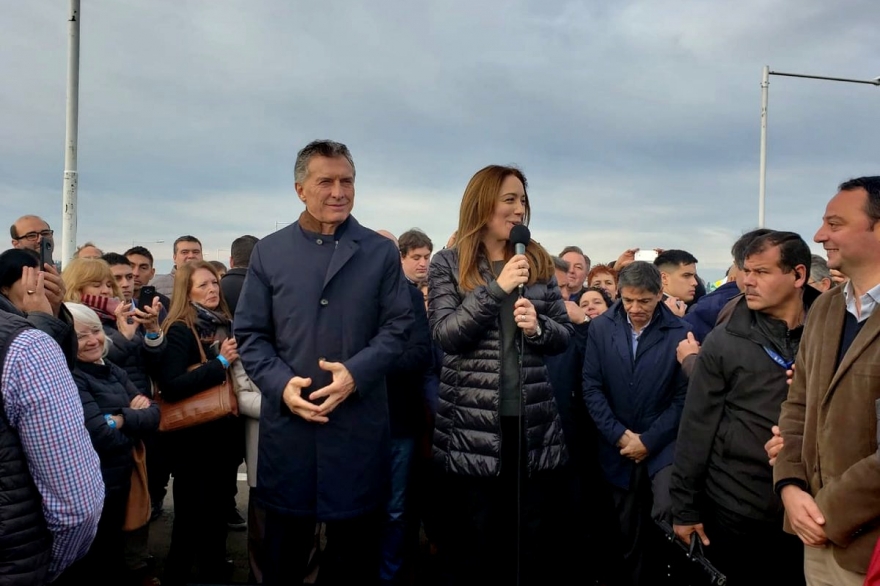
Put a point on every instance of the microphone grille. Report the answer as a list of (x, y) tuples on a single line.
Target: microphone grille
[(520, 234)]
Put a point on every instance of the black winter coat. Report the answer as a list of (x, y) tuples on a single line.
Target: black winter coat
[(734, 398), (209, 444), (406, 383), (58, 328), (467, 434), (130, 355), (106, 389)]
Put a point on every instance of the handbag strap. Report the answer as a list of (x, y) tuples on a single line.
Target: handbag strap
[(199, 343)]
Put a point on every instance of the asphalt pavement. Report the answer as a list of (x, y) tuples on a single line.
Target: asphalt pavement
[(236, 541)]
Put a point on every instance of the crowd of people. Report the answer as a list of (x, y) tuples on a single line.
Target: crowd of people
[(539, 419)]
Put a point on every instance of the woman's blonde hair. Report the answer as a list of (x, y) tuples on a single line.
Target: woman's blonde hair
[(87, 316), (80, 272), (181, 309), (477, 206)]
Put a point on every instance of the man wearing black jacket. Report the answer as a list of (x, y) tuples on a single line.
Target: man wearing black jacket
[(722, 483), (240, 258)]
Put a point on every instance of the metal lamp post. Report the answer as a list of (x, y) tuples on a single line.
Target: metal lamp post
[(68, 211), (765, 90)]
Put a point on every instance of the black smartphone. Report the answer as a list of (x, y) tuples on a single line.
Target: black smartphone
[(46, 247), (148, 293)]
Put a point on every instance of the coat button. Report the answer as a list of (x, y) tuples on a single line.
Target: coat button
[(319, 241), (324, 302)]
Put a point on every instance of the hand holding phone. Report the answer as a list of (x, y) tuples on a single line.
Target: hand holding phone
[(647, 255), (46, 248), (147, 294)]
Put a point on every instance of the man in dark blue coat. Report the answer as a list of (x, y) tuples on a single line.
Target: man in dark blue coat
[(324, 314), (635, 391)]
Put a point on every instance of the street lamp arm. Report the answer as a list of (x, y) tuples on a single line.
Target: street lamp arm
[(864, 81)]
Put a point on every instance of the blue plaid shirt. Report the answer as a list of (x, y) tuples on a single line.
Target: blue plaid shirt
[(43, 405)]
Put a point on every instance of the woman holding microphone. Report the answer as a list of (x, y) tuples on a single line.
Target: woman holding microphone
[(498, 442)]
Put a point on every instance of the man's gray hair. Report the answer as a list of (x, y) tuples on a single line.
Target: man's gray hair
[(640, 275), (319, 148), (819, 268), (560, 265)]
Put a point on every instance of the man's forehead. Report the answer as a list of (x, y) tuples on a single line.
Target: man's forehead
[(188, 247), (763, 258), (686, 269), (423, 251), (29, 224), (636, 293), (137, 259), (577, 258), (121, 269), (847, 205), (330, 165)]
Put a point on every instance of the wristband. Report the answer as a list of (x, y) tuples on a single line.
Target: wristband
[(153, 335), (223, 360), (110, 421)]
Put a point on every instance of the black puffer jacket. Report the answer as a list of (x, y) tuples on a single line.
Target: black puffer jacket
[(58, 328), (105, 389), (130, 356), (467, 435)]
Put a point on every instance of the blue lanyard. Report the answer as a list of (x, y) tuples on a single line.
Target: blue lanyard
[(786, 364)]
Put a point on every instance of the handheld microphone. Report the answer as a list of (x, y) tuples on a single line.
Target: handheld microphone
[(520, 236)]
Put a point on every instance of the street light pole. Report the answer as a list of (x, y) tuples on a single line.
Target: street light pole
[(765, 90), (762, 188), (68, 227)]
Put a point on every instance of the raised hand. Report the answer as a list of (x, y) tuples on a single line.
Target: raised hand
[(33, 293)]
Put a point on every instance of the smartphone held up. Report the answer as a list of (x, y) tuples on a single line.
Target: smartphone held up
[(646, 254)]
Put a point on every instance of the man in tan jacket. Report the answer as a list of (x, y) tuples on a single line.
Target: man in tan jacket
[(828, 471)]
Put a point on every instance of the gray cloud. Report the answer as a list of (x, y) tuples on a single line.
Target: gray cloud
[(636, 122)]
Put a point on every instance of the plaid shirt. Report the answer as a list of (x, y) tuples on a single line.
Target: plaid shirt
[(43, 405)]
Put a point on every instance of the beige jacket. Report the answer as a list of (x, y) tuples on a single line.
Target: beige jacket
[(249, 400), (829, 425)]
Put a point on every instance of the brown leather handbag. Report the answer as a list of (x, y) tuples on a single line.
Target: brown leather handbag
[(137, 512), (208, 405)]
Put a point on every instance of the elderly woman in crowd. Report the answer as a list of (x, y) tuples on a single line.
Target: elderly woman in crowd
[(133, 337), (603, 277), (498, 438), (117, 417), (133, 332), (198, 324)]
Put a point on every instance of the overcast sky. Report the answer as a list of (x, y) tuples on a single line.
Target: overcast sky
[(637, 123)]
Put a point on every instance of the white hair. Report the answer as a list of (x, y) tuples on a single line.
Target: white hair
[(87, 316)]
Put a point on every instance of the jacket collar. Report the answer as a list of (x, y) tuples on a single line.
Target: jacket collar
[(7, 306), (742, 318), (308, 222)]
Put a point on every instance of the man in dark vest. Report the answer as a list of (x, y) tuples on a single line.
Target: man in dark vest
[(52, 491)]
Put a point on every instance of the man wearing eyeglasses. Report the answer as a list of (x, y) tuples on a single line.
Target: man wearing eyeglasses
[(29, 231)]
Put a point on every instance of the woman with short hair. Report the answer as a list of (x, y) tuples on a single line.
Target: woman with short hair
[(604, 277), (595, 301), (117, 417), (134, 332)]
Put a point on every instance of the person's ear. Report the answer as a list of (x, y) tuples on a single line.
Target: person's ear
[(800, 275)]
